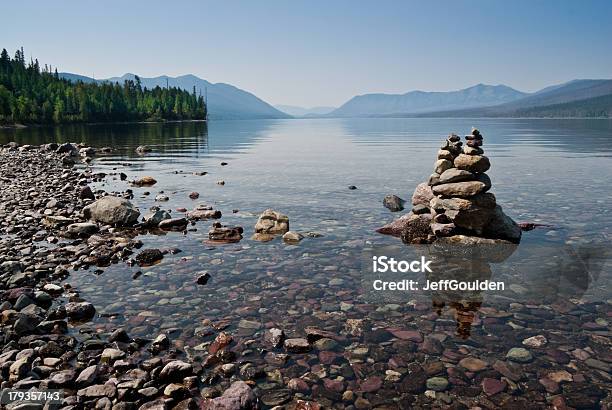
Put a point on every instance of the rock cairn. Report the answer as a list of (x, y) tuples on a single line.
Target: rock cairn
[(455, 201)]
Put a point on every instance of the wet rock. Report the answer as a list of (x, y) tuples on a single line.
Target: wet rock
[(145, 181), (535, 341), (272, 222), (519, 355), (81, 229), (493, 386), (416, 229), (473, 364), (224, 234), (298, 385), (173, 224), (194, 195), (80, 310), (201, 214), (154, 218), (297, 345), (437, 383), (149, 257), (86, 193), (393, 203), (162, 198), (238, 396), (274, 337), (352, 187), (112, 210), (176, 370), (203, 279), (501, 226), (292, 237)]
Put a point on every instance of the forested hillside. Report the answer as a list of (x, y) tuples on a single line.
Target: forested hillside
[(31, 94)]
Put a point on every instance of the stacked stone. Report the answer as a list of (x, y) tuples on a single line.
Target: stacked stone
[(460, 193)]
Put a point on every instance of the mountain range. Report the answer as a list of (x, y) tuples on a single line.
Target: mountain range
[(224, 100), (296, 111), (577, 98)]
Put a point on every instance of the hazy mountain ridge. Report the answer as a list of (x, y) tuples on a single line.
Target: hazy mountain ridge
[(480, 95), (224, 100), (576, 98), (297, 111)]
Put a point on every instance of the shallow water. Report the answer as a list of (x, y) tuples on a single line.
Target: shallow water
[(554, 172)]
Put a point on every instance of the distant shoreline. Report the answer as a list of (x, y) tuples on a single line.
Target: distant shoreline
[(22, 126)]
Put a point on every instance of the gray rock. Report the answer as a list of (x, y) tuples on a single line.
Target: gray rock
[(501, 226), (460, 189), (176, 370), (519, 354), (81, 229), (455, 175), (297, 345), (80, 310), (112, 210), (154, 218), (393, 203), (239, 396)]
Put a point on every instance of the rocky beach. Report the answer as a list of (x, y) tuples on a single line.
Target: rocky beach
[(273, 340)]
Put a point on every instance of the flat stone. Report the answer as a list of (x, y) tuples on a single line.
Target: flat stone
[(455, 175), (473, 364), (460, 189), (297, 345), (535, 341), (493, 386), (472, 163)]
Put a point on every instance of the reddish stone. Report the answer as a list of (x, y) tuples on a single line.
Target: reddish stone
[(412, 335), (223, 339), (493, 386), (298, 385), (327, 357), (371, 384), (307, 405), (550, 385), (334, 385)]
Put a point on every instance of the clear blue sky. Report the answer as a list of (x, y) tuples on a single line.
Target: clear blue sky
[(321, 52)]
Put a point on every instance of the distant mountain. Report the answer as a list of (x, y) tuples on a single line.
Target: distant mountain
[(224, 100), (414, 102), (577, 98), (304, 112)]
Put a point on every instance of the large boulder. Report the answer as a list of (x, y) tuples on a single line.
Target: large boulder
[(501, 226), (112, 210), (396, 227), (474, 218), (272, 222), (422, 194)]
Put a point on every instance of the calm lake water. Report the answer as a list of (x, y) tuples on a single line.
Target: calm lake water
[(554, 172)]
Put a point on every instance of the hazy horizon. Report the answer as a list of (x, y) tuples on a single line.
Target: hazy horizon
[(319, 54)]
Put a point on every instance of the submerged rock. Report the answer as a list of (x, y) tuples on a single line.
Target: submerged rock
[(149, 257)]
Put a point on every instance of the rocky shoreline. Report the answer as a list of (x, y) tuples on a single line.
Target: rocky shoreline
[(288, 344), (46, 231)]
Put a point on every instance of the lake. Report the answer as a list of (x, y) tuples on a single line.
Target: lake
[(552, 172)]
